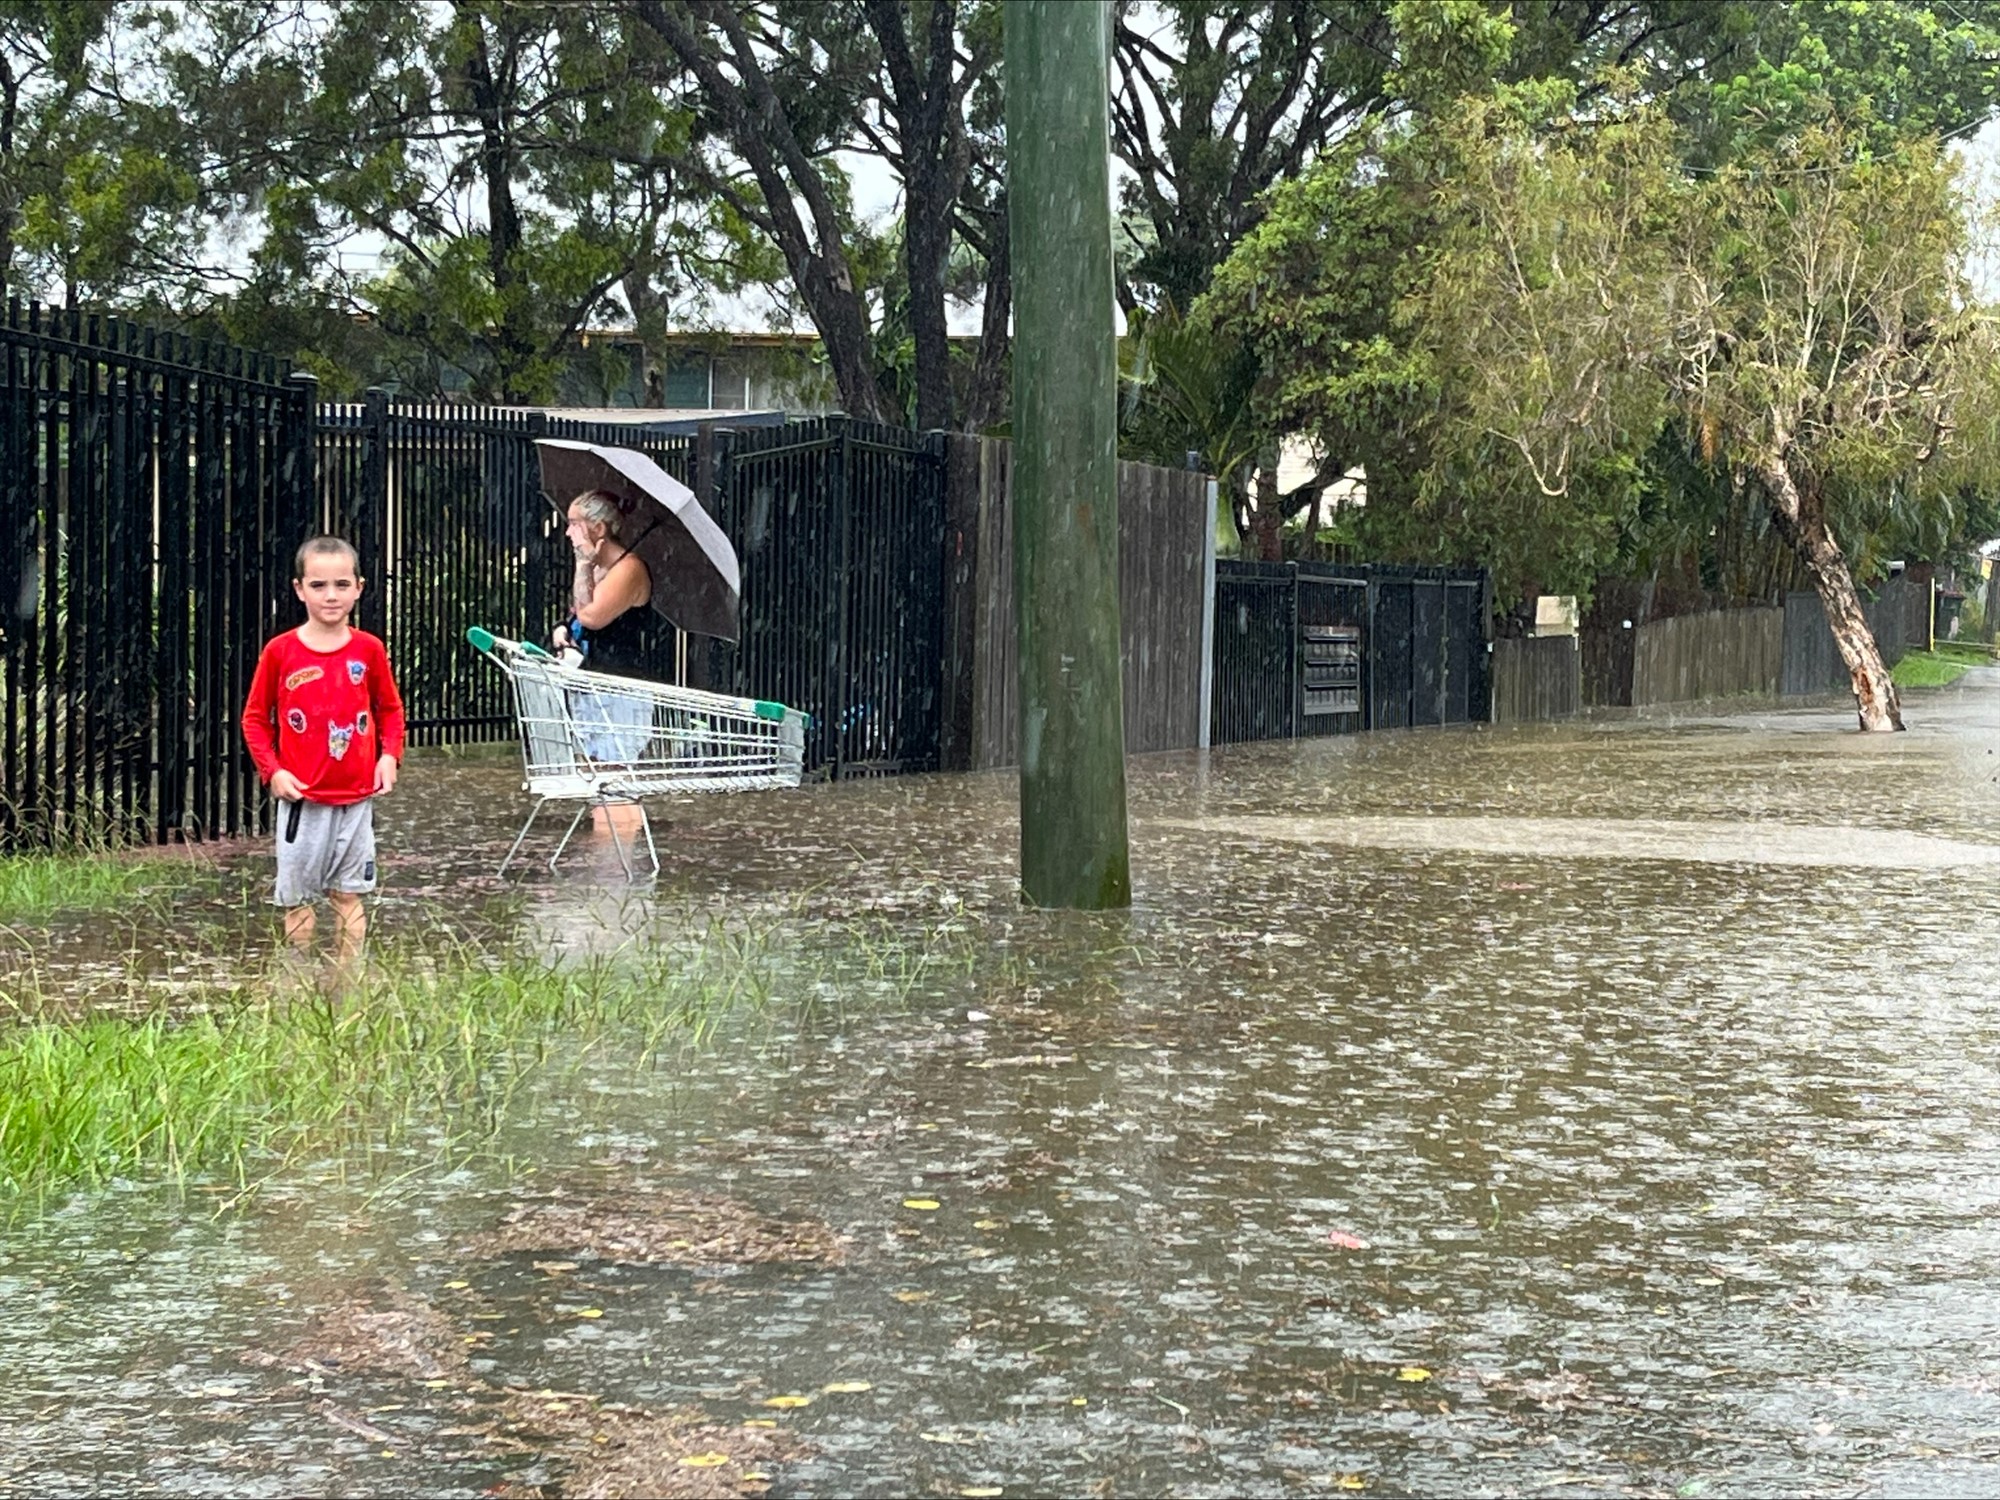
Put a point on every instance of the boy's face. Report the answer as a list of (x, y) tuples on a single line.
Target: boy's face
[(329, 589)]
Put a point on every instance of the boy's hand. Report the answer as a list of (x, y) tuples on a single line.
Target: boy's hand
[(287, 788), (385, 775)]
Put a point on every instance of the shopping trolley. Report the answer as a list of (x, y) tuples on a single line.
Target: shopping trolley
[(596, 740)]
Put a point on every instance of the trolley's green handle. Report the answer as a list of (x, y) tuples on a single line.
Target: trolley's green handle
[(486, 640), (772, 711)]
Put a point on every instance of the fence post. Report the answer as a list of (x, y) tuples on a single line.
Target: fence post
[(700, 665), (298, 512), (1207, 689), (959, 661), (369, 523), (839, 512)]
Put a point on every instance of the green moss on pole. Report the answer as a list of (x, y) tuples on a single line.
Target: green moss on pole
[(1073, 845)]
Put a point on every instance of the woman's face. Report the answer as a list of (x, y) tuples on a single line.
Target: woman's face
[(584, 536)]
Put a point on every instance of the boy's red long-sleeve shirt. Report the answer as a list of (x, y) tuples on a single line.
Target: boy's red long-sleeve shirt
[(325, 716)]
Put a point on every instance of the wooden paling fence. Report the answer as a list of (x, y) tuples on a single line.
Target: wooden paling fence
[(1721, 653), (1165, 558), (1536, 677)]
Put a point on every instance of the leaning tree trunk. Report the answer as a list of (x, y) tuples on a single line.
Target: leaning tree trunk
[(1800, 513)]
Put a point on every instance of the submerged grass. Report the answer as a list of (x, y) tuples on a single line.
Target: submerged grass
[(236, 1078)]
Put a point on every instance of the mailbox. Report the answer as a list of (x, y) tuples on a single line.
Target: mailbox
[(1331, 658)]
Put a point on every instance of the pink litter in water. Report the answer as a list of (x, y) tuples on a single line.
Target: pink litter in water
[(1346, 1241)]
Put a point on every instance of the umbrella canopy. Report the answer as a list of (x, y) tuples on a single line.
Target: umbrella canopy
[(696, 583)]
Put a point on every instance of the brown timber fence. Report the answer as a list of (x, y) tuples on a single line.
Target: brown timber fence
[(1721, 653), (1166, 530), (1536, 677)]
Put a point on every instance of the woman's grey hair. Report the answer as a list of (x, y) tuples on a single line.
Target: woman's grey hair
[(602, 508)]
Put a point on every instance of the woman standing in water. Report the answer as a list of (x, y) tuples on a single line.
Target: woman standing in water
[(610, 597)]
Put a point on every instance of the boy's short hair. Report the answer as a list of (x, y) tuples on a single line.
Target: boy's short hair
[(324, 546)]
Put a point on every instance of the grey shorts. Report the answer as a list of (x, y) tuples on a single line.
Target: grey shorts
[(332, 849)]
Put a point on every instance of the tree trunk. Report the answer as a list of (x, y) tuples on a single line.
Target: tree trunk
[(986, 398), (935, 159), (511, 341), (1800, 514), (1266, 522), (760, 131)]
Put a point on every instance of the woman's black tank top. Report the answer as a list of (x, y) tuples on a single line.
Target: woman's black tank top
[(620, 647)]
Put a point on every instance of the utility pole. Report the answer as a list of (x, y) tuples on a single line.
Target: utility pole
[(1073, 847)]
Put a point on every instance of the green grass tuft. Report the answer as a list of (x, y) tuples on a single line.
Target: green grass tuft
[(1950, 661), (233, 1080)]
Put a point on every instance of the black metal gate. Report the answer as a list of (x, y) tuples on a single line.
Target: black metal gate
[(1312, 649), (152, 489), (839, 527)]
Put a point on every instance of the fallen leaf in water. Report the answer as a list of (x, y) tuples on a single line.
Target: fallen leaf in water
[(760, 1422), (704, 1460), (989, 1223), (922, 1205), (981, 1491), (456, 1286), (847, 1387), (788, 1403), (590, 1312), (553, 1267), (1345, 1241), (911, 1296), (1349, 1482), (1413, 1373)]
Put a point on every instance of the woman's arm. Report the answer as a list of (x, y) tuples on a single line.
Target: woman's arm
[(582, 585), (625, 586)]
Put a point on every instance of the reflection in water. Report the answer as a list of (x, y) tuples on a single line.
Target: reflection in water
[(1651, 1065)]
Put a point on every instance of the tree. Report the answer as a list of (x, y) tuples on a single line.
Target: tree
[(1218, 103), (1313, 289), (1800, 317), (783, 90), (520, 176)]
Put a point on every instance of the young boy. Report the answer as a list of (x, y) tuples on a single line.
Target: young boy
[(325, 726)]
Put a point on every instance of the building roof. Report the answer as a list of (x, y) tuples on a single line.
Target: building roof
[(672, 420)]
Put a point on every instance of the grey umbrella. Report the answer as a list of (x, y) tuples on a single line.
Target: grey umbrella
[(696, 583)]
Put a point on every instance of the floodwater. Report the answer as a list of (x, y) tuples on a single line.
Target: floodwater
[(1606, 1108)]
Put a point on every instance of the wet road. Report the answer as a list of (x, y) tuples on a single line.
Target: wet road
[(1590, 1109)]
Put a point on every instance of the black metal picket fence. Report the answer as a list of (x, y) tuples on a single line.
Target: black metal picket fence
[(152, 488), (838, 526), (1307, 649)]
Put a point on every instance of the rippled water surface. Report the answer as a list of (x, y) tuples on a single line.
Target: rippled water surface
[(1600, 1108)]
